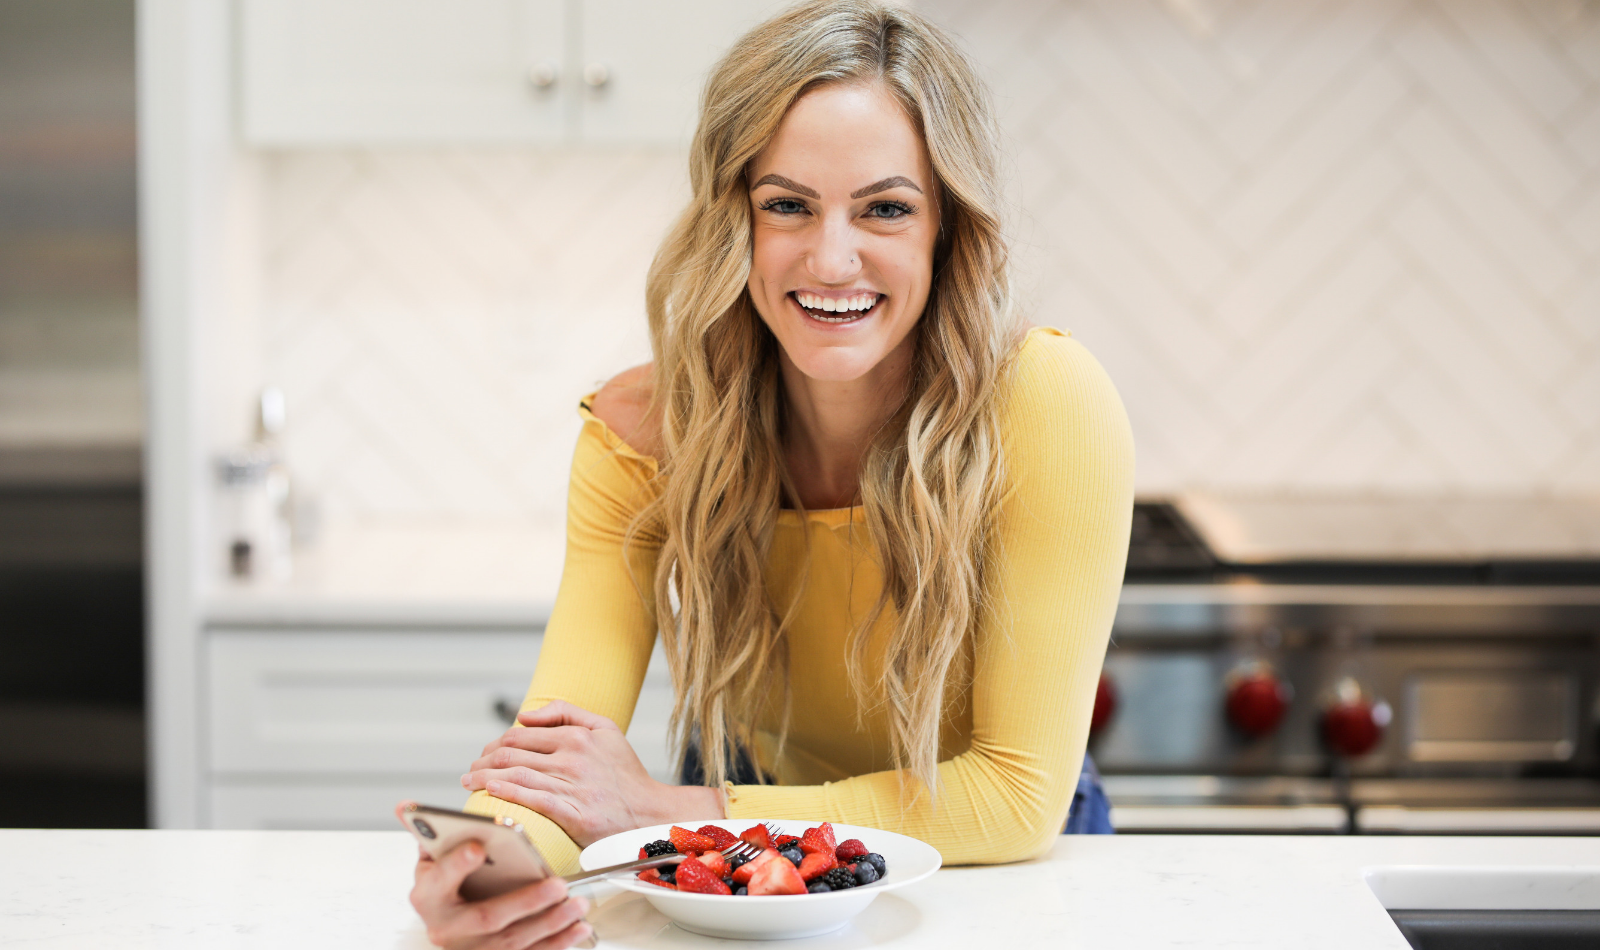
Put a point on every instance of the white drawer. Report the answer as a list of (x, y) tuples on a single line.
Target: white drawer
[(373, 704), (325, 806)]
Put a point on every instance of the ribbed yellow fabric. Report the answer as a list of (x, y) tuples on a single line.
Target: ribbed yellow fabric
[(1012, 742)]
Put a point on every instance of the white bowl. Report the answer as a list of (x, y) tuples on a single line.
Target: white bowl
[(773, 916)]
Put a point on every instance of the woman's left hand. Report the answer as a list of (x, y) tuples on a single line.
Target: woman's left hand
[(577, 769)]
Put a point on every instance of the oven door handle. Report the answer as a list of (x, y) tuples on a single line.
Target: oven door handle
[(1404, 820)]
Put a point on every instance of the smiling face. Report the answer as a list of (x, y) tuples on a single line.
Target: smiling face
[(845, 221)]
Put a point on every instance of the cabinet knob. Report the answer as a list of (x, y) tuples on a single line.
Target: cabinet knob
[(543, 76), (507, 710), (597, 75)]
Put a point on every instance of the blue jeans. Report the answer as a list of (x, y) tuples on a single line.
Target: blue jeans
[(1090, 813)]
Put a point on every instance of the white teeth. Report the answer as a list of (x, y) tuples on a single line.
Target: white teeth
[(841, 305)]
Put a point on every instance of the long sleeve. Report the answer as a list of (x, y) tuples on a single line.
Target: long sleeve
[(1063, 529), (598, 641)]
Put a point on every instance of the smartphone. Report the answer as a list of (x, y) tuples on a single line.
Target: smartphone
[(510, 859)]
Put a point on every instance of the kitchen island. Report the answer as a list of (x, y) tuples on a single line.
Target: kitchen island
[(220, 889)]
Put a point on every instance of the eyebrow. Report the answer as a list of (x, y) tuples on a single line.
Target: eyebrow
[(783, 182), (897, 181)]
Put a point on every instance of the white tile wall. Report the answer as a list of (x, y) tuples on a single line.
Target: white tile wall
[(1339, 244), (1320, 244), (434, 316)]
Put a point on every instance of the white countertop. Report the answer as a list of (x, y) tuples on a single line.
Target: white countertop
[(223, 889), (447, 574)]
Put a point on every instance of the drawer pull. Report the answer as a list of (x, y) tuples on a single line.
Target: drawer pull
[(507, 710)]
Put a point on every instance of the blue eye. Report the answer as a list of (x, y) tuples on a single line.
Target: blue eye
[(783, 206), (889, 210)]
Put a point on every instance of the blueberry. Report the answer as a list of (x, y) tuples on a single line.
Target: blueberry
[(741, 891), (866, 873), (817, 887), (728, 881), (735, 864), (669, 875), (876, 860), (795, 855)]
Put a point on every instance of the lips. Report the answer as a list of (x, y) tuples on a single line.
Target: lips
[(836, 310)]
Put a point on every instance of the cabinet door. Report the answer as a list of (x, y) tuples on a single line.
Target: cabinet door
[(266, 805), (654, 58), (367, 704), (357, 72)]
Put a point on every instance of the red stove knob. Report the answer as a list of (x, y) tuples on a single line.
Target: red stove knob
[(1257, 699), (1352, 721), (1105, 704)]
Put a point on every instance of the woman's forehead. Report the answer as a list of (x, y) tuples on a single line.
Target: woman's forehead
[(839, 139)]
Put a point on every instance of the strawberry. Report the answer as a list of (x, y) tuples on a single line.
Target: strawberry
[(816, 864), (696, 878), (742, 873), (757, 836), (782, 840), (818, 839), (850, 849), (688, 842), (653, 876), (721, 836), (777, 877), (716, 862)]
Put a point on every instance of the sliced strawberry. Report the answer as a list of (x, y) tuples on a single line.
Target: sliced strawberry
[(757, 836), (652, 876), (849, 849), (742, 873), (642, 854), (716, 862), (721, 836), (782, 840), (777, 877), (816, 864), (696, 878), (817, 840), (689, 842)]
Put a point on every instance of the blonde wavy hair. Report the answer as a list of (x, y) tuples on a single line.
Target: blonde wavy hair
[(930, 482)]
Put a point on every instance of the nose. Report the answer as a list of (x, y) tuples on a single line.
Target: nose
[(834, 258)]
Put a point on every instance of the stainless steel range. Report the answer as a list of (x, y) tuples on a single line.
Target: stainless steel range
[(1368, 665)]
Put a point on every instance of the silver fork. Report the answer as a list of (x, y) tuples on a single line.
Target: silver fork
[(739, 849)]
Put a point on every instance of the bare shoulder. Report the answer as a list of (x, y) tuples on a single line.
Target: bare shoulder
[(623, 404)]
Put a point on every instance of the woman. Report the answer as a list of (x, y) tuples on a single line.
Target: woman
[(879, 529)]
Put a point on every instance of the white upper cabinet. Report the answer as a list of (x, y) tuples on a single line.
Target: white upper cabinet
[(653, 59), (376, 72)]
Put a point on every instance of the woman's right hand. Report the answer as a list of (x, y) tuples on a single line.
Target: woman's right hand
[(539, 916)]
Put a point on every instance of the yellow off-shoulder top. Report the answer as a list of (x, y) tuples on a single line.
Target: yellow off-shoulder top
[(1012, 742)]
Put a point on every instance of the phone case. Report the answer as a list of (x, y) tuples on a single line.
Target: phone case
[(511, 859)]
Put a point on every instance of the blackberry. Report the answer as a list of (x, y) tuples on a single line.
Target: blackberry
[(877, 861), (795, 855), (838, 879), (656, 849), (866, 873), (817, 887)]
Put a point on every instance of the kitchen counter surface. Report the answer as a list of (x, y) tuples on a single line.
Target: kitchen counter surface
[(218, 889)]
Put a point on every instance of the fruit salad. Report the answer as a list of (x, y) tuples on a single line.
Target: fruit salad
[(811, 863)]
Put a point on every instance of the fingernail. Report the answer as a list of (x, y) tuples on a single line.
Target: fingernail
[(466, 780), (583, 905)]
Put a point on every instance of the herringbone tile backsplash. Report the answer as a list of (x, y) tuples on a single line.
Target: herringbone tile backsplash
[(1319, 244)]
